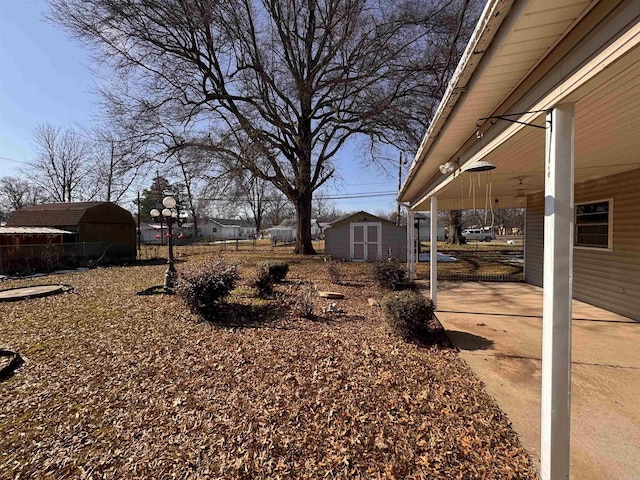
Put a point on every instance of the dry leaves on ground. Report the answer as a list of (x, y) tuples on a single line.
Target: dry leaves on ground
[(122, 386)]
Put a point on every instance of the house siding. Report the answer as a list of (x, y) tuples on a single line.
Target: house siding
[(534, 239), (607, 279)]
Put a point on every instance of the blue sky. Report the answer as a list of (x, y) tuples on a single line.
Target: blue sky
[(45, 78)]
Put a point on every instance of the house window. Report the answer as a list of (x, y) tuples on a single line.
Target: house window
[(593, 225), (215, 230)]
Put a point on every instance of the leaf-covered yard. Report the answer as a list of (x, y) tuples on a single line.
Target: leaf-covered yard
[(123, 386)]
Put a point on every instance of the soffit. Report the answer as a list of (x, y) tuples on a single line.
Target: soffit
[(606, 142), (537, 29)]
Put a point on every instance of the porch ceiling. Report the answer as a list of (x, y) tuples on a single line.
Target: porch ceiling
[(538, 56), (607, 141), (532, 30)]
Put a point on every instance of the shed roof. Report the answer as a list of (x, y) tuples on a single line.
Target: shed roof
[(226, 222), (32, 231), (288, 222), (69, 214), (360, 216)]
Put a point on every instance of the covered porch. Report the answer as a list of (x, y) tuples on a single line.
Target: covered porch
[(498, 329), (541, 114)]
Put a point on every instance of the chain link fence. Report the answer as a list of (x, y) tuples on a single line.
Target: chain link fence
[(31, 258)]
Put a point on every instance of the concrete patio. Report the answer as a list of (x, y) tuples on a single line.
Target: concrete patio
[(498, 329)]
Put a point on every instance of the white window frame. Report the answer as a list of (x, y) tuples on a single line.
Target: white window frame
[(609, 247)]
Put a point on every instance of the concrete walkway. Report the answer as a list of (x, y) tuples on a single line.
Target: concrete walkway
[(498, 329)]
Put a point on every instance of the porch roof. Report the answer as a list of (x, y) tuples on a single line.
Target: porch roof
[(529, 56)]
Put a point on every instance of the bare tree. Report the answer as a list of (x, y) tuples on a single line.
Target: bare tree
[(255, 193), (293, 79), (279, 208), (500, 217), (192, 169), (62, 164), (323, 206), (17, 193), (455, 228), (118, 162)]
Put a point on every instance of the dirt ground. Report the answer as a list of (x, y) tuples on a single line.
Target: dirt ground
[(123, 386)]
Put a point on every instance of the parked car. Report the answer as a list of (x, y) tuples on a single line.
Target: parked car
[(478, 234)]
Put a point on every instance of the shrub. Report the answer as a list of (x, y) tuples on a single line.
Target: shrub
[(334, 272), (388, 274), (203, 286), (408, 313), (303, 302), (263, 283), (277, 270)]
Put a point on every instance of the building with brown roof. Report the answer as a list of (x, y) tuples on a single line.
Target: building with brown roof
[(102, 223)]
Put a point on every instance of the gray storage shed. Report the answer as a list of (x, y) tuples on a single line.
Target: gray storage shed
[(362, 236)]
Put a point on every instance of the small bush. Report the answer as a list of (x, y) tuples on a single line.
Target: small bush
[(389, 274), (408, 313), (334, 272), (202, 286), (303, 302), (263, 283), (277, 270)]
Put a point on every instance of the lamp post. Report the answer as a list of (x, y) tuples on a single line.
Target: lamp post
[(169, 214)]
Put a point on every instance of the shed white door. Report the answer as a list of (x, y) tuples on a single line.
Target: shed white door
[(366, 241)]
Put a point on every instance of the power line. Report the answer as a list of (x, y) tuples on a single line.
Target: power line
[(346, 196), (13, 160)]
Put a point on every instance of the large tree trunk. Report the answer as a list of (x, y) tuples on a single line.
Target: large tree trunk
[(304, 246), (455, 228)]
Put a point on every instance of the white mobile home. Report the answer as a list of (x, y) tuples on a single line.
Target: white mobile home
[(225, 229)]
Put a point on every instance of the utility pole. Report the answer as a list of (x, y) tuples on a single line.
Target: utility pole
[(139, 231), (399, 187)]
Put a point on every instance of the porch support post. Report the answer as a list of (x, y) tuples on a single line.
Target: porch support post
[(433, 251), (557, 294), (411, 245)]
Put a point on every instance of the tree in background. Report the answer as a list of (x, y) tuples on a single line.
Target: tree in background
[(279, 208), (256, 199), (17, 193), (62, 167), (151, 198), (118, 162), (454, 231), (294, 79), (193, 169), (324, 208), (506, 217)]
